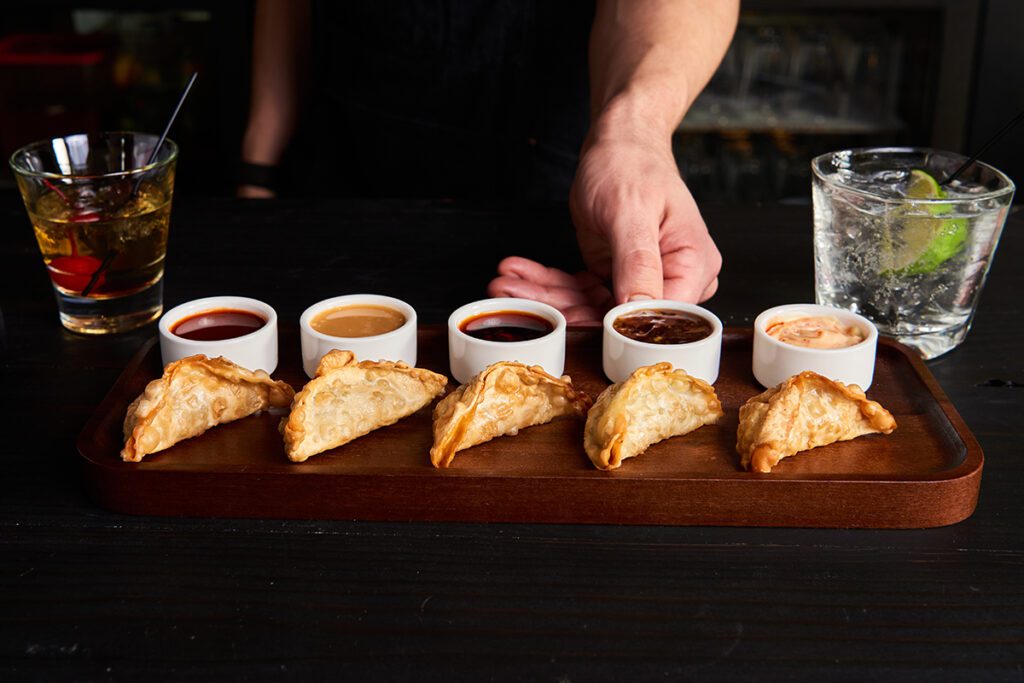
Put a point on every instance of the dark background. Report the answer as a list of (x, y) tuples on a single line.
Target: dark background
[(801, 78), (91, 595)]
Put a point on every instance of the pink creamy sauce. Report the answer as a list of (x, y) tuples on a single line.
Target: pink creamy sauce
[(815, 332)]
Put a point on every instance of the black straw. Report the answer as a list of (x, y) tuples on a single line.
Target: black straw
[(95, 279), (984, 148), (112, 254), (167, 129)]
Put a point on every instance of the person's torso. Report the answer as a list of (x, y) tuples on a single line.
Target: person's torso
[(452, 97)]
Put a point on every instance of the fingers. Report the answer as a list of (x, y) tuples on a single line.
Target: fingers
[(559, 297), (688, 287), (683, 289), (540, 280), (583, 315), (532, 271), (599, 296), (581, 298), (636, 262), (579, 306), (691, 261), (709, 291)]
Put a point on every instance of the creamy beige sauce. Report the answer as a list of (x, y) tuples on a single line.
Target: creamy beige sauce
[(815, 332), (357, 321)]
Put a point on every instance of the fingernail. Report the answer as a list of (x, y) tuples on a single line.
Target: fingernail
[(639, 297)]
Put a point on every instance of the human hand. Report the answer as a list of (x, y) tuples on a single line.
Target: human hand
[(637, 223), (582, 298)]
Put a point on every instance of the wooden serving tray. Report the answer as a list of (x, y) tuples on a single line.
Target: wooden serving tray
[(925, 474)]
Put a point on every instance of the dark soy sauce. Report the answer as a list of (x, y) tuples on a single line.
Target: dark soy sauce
[(506, 326)]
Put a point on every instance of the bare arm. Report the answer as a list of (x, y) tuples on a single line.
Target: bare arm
[(649, 59), (280, 73), (635, 219)]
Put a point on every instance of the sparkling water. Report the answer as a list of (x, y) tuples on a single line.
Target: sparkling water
[(913, 267)]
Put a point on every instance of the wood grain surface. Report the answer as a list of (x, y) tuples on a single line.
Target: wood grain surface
[(86, 594), (925, 474)]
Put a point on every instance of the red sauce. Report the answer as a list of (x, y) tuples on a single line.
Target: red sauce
[(218, 324), (506, 326), (661, 326)]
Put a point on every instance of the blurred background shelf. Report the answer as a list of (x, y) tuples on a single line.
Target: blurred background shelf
[(67, 67), (801, 78)]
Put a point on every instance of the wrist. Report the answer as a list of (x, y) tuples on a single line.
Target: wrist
[(259, 175), (636, 116)]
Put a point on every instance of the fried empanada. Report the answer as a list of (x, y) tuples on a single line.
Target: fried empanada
[(194, 394), (654, 403), (805, 411), (348, 399), (499, 401)]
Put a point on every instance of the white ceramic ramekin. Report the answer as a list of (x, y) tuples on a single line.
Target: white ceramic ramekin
[(775, 361), (396, 345), (254, 351), (620, 355), (468, 355)]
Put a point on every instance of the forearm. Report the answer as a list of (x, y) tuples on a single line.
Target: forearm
[(280, 64), (649, 59)]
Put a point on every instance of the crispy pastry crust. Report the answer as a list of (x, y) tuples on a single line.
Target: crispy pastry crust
[(348, 399), (194, 394), (803, 412), (654, 403), (501, 400)]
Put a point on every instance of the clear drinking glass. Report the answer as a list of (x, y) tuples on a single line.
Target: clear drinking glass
[(892, 244), (101, 213)]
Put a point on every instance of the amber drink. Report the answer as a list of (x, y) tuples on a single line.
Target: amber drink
[(101, 212)]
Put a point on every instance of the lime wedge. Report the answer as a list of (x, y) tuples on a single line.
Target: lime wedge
[(923, 186), (924, 243)]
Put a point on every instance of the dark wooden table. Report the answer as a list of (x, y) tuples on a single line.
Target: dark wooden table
[(90, 595)]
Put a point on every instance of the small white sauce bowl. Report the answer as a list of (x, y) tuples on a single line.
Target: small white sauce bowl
[(468, 355), (621, 355), (396, 345), (254, 351), (775, 361)]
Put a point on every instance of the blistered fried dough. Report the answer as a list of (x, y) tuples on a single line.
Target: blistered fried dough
[(805, 411), (499, 401), (348, 399), (194, 394), (654, 403)]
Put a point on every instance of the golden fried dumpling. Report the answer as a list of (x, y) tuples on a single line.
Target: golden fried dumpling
[(652, 404), (194, 394), (805, 411), (498, 401), (348, 399)]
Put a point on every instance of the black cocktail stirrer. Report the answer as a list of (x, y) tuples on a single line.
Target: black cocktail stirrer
[(984, 148), (138, 183), (167, 129)]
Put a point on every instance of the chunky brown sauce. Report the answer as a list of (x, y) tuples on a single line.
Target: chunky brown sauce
[(218, 324), (506, 326), (663, 326), (357, 320)]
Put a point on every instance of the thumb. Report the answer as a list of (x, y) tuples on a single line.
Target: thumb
[(636, 267)]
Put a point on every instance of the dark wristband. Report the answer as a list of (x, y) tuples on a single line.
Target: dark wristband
[(260, 175)]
